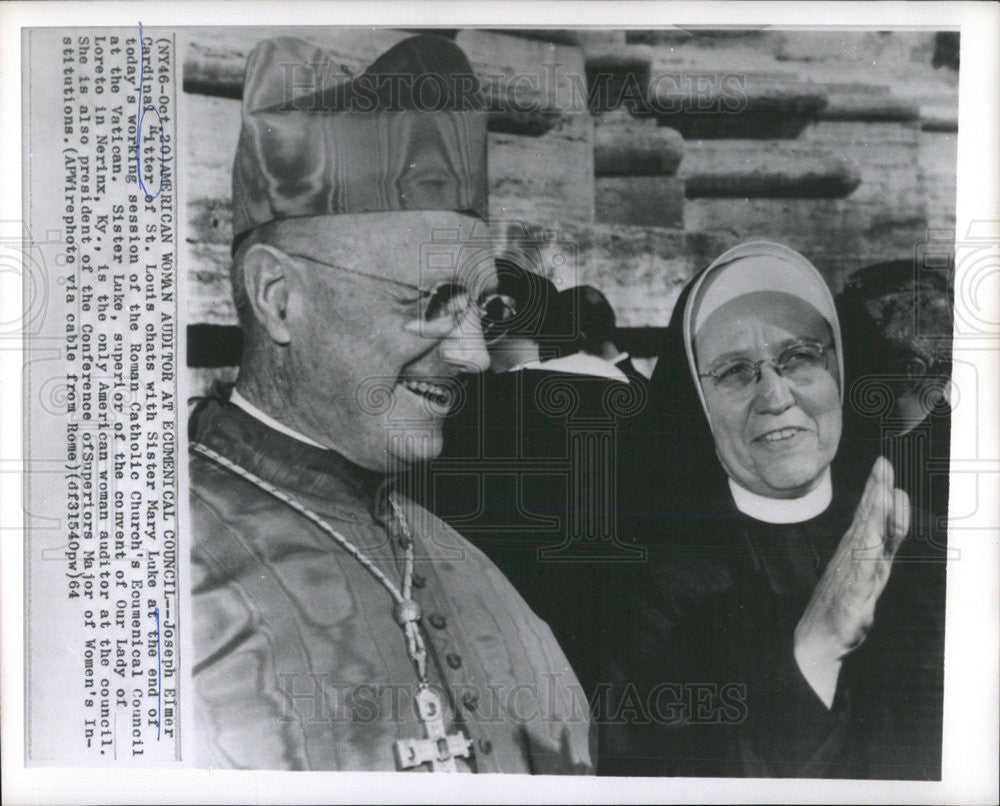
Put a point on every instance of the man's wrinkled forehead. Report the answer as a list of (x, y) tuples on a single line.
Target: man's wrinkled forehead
[(415, 247), (730, 328)]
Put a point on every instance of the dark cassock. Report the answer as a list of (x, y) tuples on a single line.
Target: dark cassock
[(897, 321), (707, 679), (527, 474), (337, 624)]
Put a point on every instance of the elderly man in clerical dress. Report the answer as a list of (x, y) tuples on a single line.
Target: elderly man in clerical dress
[(338, 625)]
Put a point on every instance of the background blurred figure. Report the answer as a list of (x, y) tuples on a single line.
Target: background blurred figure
[(529, 298), (528, 466), (593, 350), (897, 322)]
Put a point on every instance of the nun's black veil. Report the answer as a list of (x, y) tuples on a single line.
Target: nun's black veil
[(671, 467)]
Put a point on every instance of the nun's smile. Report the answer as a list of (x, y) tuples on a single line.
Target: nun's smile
[(776, 430)]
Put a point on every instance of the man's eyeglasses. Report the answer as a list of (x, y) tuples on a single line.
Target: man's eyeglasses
[(801, 364), (445, 304)]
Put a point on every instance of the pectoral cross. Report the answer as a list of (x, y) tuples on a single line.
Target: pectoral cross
[(439, 748)]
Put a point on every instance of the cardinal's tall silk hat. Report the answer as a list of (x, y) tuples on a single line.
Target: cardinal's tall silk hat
[(408, 133)]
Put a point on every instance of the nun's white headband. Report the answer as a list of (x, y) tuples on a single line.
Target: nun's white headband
[(751, 268)]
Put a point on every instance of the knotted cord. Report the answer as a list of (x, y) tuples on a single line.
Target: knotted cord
[(406, 611)]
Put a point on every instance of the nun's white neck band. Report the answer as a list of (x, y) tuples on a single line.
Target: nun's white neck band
[(784, 510)]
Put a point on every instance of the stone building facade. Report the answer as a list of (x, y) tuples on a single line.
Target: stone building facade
[(628, 160)]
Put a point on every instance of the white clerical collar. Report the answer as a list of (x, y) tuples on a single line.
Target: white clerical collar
[(582, 364), (530, 363), (784, 510), (238, 400)]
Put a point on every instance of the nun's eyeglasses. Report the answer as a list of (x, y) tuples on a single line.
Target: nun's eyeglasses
[(446, 304), (801, 363)]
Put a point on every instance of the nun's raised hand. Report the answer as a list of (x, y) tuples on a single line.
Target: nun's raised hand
[(841, 610)]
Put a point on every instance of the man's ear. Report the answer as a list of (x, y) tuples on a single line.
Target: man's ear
[(266, 282)]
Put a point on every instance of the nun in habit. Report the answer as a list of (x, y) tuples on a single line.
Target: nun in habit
[(777, 627)]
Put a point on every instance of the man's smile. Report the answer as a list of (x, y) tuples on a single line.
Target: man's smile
[(434, 392)]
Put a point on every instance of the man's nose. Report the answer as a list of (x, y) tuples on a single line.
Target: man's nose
[(464, 346), (773, 393)]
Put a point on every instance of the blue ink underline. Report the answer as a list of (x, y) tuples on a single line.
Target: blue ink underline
[(159, 676), (141, 115)]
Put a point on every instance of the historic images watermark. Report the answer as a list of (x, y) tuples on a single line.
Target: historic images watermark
[(318, 698), (641, 91)]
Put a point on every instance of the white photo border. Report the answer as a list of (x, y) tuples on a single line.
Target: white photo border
[(972, 668)]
